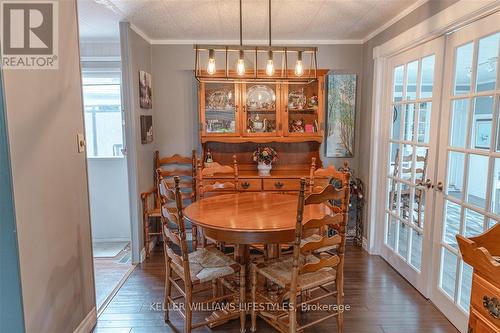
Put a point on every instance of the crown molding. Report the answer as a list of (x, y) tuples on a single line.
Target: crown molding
[(395, 19)]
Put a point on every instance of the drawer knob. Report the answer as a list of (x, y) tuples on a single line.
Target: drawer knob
[(492, 305), (278, 184), (245, 185)]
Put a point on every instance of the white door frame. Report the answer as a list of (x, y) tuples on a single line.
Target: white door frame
[(455, 16)]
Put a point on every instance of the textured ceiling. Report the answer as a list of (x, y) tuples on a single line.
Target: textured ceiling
[(218, 20)]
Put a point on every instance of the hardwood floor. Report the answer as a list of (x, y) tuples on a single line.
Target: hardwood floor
[(381, 302)]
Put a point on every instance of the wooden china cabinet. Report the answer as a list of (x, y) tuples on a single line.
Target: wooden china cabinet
[(237, 117)]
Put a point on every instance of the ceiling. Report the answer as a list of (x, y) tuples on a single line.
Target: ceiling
[(306, 21)]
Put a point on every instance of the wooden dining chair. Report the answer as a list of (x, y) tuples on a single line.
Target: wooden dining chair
[(189, 272), (307, 271), (172, 165), (217, 179)]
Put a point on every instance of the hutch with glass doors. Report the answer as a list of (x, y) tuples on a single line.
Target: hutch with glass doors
[(236, 117)]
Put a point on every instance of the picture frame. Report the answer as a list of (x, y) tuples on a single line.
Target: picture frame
[(482, 133), (146, 129), (340, 114), (145, 90)]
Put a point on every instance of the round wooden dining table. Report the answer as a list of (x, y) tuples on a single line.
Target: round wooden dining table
[(250, 218)]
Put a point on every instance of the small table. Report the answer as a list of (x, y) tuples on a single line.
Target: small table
[(250, 218)]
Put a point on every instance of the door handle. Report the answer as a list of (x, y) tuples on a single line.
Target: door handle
[(278, 184), (245, 185), (427, 183), (438, 187)]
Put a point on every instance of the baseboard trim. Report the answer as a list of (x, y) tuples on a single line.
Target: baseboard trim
[(364, 244), (143, 255), (88, 322), (115, 290)]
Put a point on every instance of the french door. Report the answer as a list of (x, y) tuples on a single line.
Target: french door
[(411, 127), (442, 160), (468, 196)]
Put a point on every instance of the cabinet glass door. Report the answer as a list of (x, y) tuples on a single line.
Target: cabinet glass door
[(220, 107), (302, 109), (260, 105)]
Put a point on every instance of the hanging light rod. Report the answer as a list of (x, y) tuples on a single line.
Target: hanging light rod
[(269, 73)]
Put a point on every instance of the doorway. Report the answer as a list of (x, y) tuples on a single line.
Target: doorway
[(108, 176), (441, 160)]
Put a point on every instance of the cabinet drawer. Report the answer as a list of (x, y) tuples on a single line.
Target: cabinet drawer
[(478, 324), (249, 185), (484, 296), (280, 184)]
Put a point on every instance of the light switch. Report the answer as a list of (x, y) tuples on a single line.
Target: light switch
[(81, 142)]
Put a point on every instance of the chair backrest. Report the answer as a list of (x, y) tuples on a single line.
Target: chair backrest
[(177, 165), (331, 173), (337, 220), (168, 195), (226, 178), (404, 170)]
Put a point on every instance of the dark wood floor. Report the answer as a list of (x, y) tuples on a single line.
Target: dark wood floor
[(381, 302)]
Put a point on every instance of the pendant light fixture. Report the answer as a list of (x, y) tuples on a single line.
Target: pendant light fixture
[(270, 62), (299, 66), (240, 65), (211, 62)]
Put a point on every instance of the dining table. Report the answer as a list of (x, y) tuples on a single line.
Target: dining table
[(247, 218)]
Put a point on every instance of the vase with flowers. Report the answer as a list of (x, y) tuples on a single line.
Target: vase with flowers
[(265, 156)]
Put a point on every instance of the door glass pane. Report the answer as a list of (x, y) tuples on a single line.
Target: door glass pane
[(491, 223), (403, 240), (394, 159), (416, 249), (220, 108), (397, 90), (448, 272), (487, 59), (451, 223), (458, 131), (393, 196), (424, 122), (474, 223), (463, 68), (391, 231), (482, 123), (477, 180), (465, 286), (407, 162), (456, 162), (427, 80), (419, 207), (404, 201), (411, 80), (409, 121), (396, 122), (495, 188)]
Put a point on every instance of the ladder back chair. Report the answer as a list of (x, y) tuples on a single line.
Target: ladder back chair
[(223, 178), (175, 165), (306, 272), (189, 272)]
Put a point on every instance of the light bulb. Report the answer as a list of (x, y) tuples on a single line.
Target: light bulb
[(240, 65), (211, 62), (270, 65), (299, 67)]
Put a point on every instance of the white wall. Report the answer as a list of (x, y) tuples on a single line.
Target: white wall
[(109, 200), (44, 114), (136, 56)]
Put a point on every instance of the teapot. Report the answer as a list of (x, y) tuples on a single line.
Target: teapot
[(257, 124)]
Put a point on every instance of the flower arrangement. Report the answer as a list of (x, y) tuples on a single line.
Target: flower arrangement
[(265, 155)]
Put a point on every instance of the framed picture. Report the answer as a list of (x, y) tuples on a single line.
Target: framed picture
[(341, 115), (146, 129), (145, 90), (482, 134)]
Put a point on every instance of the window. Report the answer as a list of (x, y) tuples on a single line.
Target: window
[(102, 108)]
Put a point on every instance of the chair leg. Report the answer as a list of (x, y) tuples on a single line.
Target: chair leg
[(188, 310), (215, 288), (253, 313), (243, 313), (168, 289), (340, 301)]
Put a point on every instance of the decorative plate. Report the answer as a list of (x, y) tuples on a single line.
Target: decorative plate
[(261, 97), (220, 100)]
